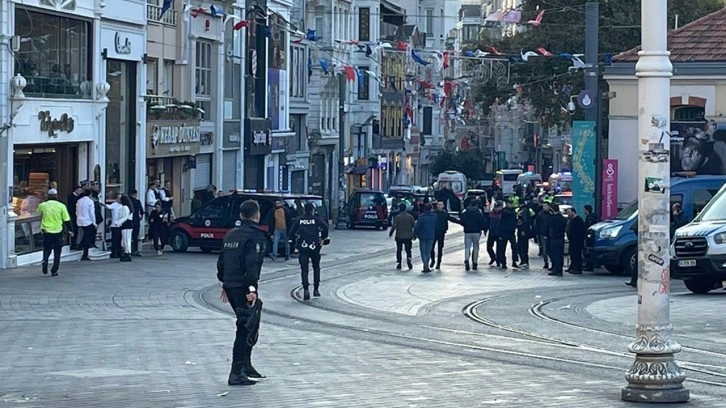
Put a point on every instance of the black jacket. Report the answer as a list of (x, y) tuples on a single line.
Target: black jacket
[(71, 206), (576, 231), (525, 220), (308, 231), (590, 220), (495, 223), (442, 221), (138, 211), (508, 223), (557, 227), (472, 220), (243, 251), (542, 223)]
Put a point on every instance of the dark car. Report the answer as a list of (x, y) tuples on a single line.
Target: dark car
[(206, 226), (367, 208)]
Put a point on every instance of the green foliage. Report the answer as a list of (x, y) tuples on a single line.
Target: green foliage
[(470, 162), (563, 30)]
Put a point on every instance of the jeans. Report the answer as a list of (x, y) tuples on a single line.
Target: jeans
[(280, 236), (426, 246), (438, 243), (307, 255), (400, 244), (52, 243), (471, 245), (544, 248)]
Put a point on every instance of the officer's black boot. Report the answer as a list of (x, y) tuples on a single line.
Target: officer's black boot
[(306, 294), (316, 292), (248, 370), (237, 377)]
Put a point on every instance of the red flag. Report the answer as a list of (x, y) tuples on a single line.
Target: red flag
[(349, 73), (402, 46), (194, 13), (298, 41), (494, 51), (446, 60), (239, 25), (426, 84), (544, 52)]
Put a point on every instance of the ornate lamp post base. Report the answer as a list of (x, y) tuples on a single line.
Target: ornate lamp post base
[(655, 378)]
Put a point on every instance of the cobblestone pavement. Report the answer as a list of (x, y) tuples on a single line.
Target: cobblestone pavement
[(152, 333)]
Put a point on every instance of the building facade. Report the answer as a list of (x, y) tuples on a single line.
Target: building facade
[(60, 66)]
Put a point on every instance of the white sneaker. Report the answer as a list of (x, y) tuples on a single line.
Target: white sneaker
[(158, 252)]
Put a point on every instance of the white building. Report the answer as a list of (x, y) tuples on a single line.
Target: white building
[(75, 76)]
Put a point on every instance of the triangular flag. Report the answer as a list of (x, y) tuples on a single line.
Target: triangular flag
[(418, 59), (349, 73), (194, 13), (513, 17), (538, 20), (164, 8), (543, 51), (215, 11), (526, 55), (446, 59), (324, 66), (238, 26)]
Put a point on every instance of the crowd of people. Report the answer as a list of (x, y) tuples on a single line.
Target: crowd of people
[(511, 223)]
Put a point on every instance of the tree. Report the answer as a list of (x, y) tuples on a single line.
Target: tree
[(546, 82), (469, 161)]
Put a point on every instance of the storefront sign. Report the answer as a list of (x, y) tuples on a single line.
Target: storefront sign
[(48, 124), (122, 44), (257, 136), (609, 188), (119, 43), (231, 138), (171, 138)]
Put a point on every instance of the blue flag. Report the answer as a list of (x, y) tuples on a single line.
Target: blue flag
[(165, 7)]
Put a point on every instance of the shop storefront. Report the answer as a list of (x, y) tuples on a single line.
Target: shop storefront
[(171, 155)]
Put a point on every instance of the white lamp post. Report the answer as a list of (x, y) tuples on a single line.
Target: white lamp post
[(654, 376)]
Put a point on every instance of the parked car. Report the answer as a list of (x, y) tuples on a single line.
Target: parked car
[(613, 243), (205, 227), (367, 208)]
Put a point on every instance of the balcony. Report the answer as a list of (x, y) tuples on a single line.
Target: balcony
[(154, 14)]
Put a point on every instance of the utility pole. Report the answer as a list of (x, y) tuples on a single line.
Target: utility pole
[(341, 224), (592, 76), (655, 376), (261, 52)]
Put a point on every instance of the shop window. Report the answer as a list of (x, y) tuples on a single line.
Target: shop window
[(54, 54), (120, 127)]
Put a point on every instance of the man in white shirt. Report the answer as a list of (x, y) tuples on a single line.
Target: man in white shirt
[(152, 196), (86, 221), (115, 227)]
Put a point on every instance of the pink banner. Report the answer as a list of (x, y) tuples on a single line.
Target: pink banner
[(609, 188)]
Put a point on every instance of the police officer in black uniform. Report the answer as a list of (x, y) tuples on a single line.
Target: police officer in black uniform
[(238, 268), (309, 231)]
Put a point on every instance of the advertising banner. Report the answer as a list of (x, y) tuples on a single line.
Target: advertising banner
[(609, 189), (582, 164)]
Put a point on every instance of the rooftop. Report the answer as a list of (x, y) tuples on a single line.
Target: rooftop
[(699, 41)]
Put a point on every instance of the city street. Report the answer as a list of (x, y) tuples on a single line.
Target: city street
[(153, 333)]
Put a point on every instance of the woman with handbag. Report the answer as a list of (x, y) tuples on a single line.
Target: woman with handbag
[(125, 218)]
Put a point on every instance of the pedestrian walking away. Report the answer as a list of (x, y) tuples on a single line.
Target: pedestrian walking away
[(71, 206), (525, 219), (541, 226), (238, 269), (86, 220), (442, 226), (115, 227), (576, 237), (556, 234), (495, 219), (138, 216), (425, 232), (125, 219), (53, 218), (309, 233), (507, 228), (278, 224), (474, 223), (403, 225)]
